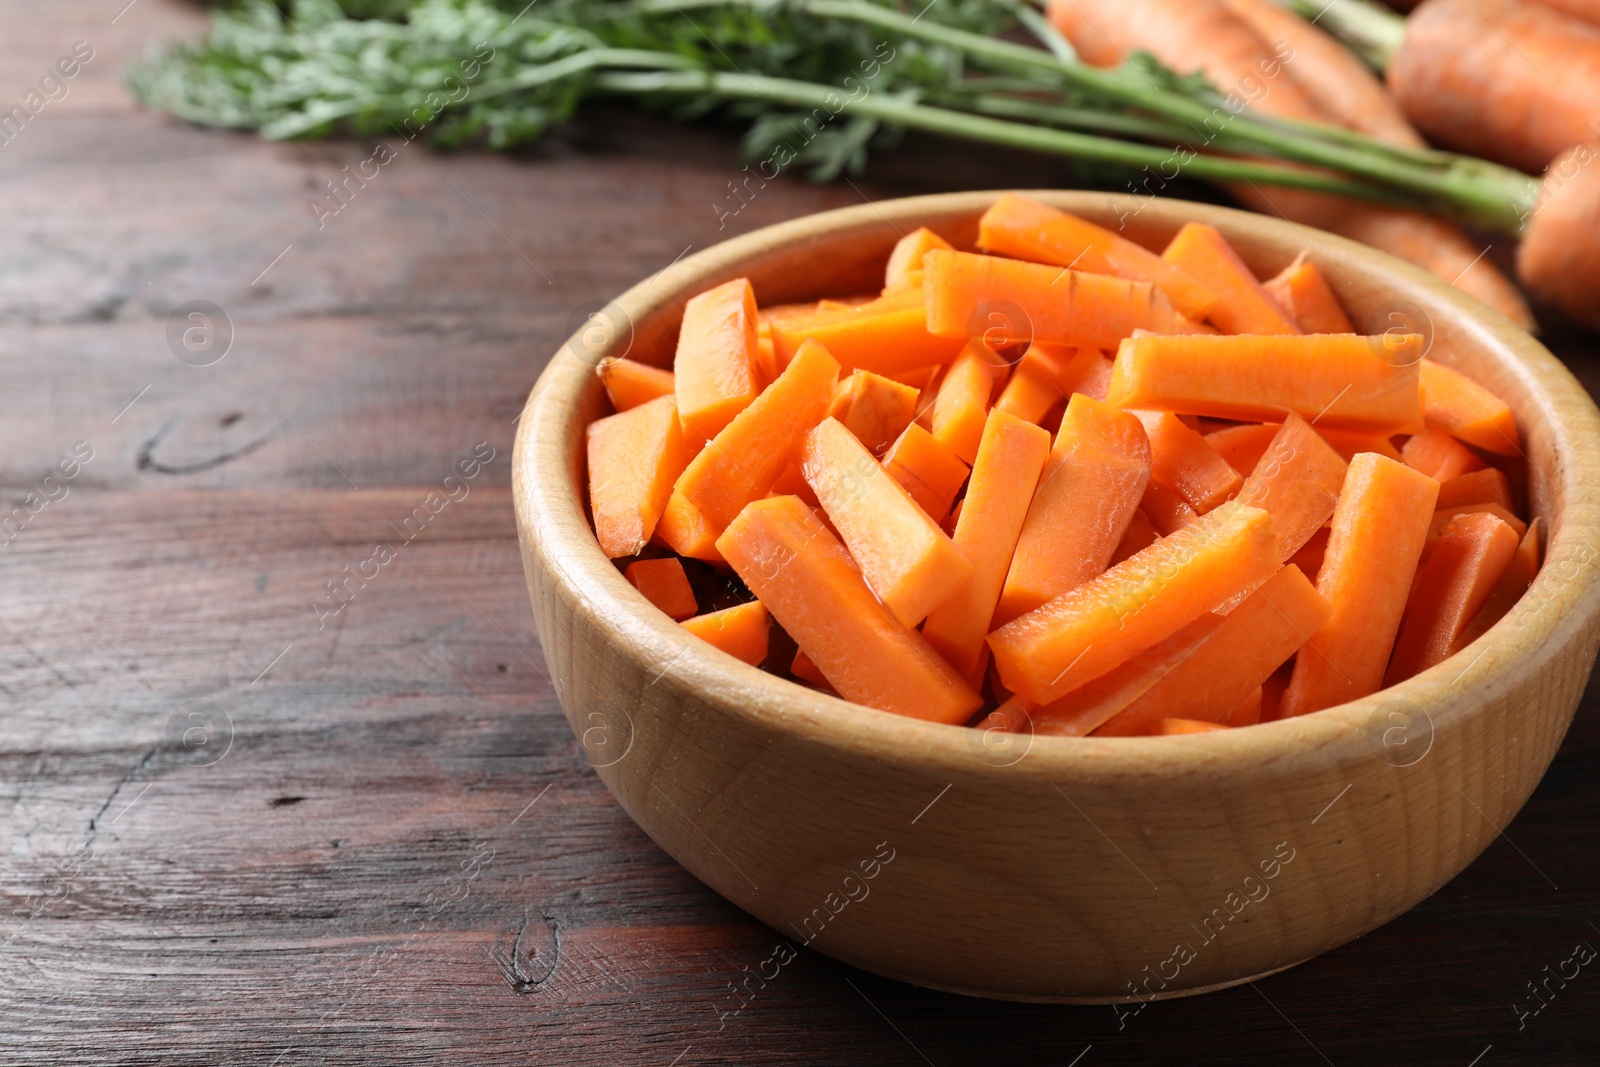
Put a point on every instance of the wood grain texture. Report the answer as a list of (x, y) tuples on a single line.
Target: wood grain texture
[(155, 909)]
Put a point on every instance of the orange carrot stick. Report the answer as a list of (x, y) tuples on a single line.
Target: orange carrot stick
[(1181, 460), (1089, 630), (803, 669), (630, 383), (1251, 642), (926, 469), (1032, 389), (1167, 511), (634, 457), (1487, 486), (888, 336), (1443, 517), (1010, 459), (1248, 711), (906, 258), (1140, 535), (1301, 290), (1272, 691), (811, 586), (686, 531), (903, 554), (741, 463), (1468, 410), (1033, 301), (874, 408), (1090, 706), (1339, 380), (741, 631), (716, 367), (1351, 443), (962, 401), (1465, 566), (1312, 553), (1026, 229), (1438, 455), (1243, 445), (1297, 481), (1090, 488), (1379, 528), (1518, 576), (664, 584), (1178, 727), (1242, 305)]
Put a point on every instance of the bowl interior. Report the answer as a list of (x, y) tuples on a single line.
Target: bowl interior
[(843, 252)]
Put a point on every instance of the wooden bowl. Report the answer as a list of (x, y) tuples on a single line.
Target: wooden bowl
[(1057, 869)]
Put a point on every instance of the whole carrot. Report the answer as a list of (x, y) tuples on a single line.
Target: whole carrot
[(1206, 36), (1514, 82)]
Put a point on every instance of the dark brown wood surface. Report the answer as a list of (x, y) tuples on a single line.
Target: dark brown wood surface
[(240, 828)]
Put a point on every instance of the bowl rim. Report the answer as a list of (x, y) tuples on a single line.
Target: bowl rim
[(1563, 601)]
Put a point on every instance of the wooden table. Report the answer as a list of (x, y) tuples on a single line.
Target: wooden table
[(241, 829)]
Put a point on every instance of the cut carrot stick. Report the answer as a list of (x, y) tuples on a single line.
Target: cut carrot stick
[(1437, 454), (1178, 727), (1089, 630), (1096, 383), (1468, 410), (1139, 535), (1339, 380), (1242, 445), (1181, 460), (1032, 389), (687, 532), (847, 303), (907, 255), (741, 463), (1036, 302), (1487, 486), (912, 280), (1010, 459), (630, 383), (1091, 486), (1026, 229), (874, 408), (1251, 642), (634, 457), (926, 469), (1248, 711), (811, 586), (1242, 304), (1297, 480), (1089, 707), (962, 402), (716, 370), (1312, 553), (1465, 566), (1379, 528), (740, 631), (903, 554), (806, 671), (1272, 692), (922, 379), (1301, 290), (1012, 716), (664, 584), (1167, 511), (1518, 576), (792, 483), (888, 336), (1443, 517), (1351, 443)]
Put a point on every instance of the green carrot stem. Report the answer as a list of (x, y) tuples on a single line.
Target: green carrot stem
[(1494, 197), (1372, 32), (1163, 164)]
